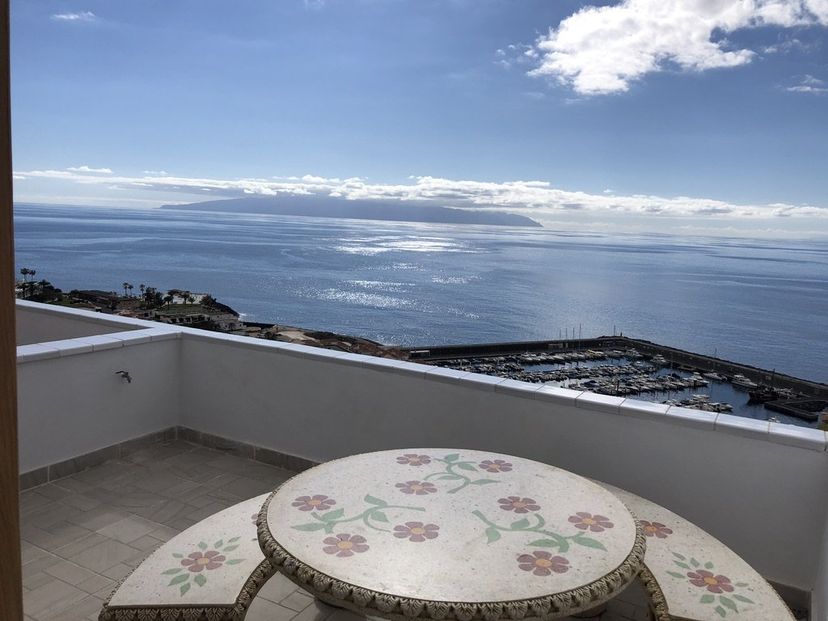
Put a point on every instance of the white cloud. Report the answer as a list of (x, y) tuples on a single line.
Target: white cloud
[(88, 169), (163, 173), (600, 50), (533, 198), (83, 16), (809, 84)]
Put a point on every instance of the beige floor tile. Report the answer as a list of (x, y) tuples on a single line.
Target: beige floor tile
[(317, 611), (69, 572), (96, 583), (128, 529), (264, 610), (79, 611), (30, 552), (298, 601), (277, 588), (70, 550), (105, 555), (117, 572), (49, 598)]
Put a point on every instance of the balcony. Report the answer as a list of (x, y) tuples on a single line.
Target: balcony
[(111, 468)]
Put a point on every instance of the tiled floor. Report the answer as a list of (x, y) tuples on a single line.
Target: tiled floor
[(83, 533)]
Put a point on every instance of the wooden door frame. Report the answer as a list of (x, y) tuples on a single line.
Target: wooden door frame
[(11, 590)]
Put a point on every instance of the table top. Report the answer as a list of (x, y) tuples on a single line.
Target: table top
[(459, 532)]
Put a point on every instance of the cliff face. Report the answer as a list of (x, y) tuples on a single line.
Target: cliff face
[(330, 207)]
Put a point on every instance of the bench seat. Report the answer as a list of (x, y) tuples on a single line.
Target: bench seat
[(692, 576), (209, 572)]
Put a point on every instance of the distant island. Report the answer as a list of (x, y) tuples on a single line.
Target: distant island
[(360, 209)]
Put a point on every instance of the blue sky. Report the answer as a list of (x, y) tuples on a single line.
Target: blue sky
[(712, 112)]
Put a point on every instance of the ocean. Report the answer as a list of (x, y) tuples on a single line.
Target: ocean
[(763, 303)]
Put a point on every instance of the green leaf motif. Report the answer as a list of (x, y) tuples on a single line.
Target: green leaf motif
[(233, 540), (179, 579), (589, 543), (229, 548), (200, 580), (449, 477), (465, 466), (707, 598), (235, 561), (492, 534), (694, 562), (379, 516), (452, 457), (184, 588), (722, 612), (741, 584), (203, 545), (519, 524), (177, 555), (682, 565), (175, 570), (218, 543), (330, 516), (680, 557), (728, 602), (676, 574), (375, 501), (482, 482), (742, 598), (708, 565), (310, 527), (544, 543)]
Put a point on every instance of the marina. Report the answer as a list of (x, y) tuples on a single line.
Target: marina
[(624, 367)]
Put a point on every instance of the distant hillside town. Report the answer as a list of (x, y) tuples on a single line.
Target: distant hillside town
[(186, 308)]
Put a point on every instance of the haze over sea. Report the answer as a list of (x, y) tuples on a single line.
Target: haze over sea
[(763, 303)]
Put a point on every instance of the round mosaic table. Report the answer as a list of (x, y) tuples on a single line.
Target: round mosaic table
[(451, 534)]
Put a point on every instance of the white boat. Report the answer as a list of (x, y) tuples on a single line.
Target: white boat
[(742, 382), (715, 376)]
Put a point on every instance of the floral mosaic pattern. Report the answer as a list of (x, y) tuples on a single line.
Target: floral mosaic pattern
[(194, 567), (416, 531), (518, 504), (712, 585), (412, 459), (454, 469), (496, 465), (655, 529), (420, 488), (593, 523), (313, 503), (543, 563), (371, 516), (345, 545), (537, 526)]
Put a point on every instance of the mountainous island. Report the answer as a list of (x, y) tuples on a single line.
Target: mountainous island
[(332, 207)]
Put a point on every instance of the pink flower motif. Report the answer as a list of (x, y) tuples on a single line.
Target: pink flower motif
[(587, 521), (314, 503), (412, 459), (518, 504), (497, 465), (345, 545), (714, 584), (655, 529), (420, 488), (416, 531), (199, 562), (543, 563)]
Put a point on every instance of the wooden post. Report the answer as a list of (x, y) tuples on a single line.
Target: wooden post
[(11, 593)]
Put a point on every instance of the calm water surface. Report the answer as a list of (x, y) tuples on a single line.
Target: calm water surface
[(762, 303)]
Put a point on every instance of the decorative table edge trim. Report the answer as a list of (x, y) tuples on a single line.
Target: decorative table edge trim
[(174, 612), (658, 603), (367, 601)]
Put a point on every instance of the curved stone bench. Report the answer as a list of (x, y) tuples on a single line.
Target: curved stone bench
[(209, 572), (692, 576)]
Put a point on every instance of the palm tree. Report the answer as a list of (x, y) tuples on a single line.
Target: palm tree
[(143, 288), (130, 287), (125, 285)]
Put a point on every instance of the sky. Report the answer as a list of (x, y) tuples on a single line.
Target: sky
[(697, 116)]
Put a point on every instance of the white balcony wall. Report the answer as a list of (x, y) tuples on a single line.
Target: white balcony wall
[(74, 403), (37, 323), (819, 601), (765, 499)]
